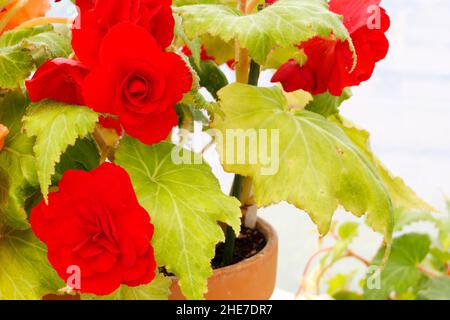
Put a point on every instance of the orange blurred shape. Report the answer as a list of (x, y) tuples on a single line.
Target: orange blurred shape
[(32, 9), (3, 133)]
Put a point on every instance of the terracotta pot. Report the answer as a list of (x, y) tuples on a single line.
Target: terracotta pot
[(250, 279)]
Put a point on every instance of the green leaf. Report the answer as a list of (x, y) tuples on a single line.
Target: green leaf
[(194, 45), (339, 283), (348, 230), (21, 50), (347, 295), (25, 273), (221, 51), (16, 36), (400, 273), (158, 289), (211, 77), (281, 55), (185, 203), (16, 64), (319, 168), (56, 126), (48, 45), (443, 226), (327, 104), (439, 259), (17, 163), (286, 23), (84, 155), (404, 217), (436, 289), (402, 196)]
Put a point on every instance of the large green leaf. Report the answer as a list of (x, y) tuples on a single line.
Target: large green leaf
[(158, 289), (402, 195), (25, 272), (319, 166), (17, 163), (56, 126), (21, 50), (185, 203), (400, 273), (286, 23)]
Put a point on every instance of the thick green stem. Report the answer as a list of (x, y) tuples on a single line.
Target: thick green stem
[(255, 71), (238, 183), (230, 235)]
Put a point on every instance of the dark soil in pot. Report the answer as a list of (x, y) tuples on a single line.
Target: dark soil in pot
[(249, 243)]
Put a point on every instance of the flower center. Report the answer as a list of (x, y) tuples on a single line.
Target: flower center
[(137, 88), (136, 92), (103, 237)]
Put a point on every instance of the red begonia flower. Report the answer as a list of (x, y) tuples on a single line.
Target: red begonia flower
[(137, 82), (329, 66), (95, 223), (97, 17), (59, 79), (3, 133)]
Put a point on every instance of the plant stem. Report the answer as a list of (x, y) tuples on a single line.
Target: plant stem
[(246, 72), (230, 236), (251, 5), (242, 58), (428, 272), (242, 64), (255, 70), (242, 186), (44, 20)]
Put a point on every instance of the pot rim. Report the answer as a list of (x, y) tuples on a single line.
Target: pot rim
[(271, 236)]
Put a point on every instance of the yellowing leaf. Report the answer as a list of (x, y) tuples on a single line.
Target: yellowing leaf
[(319, 168), (285, 23), (402, 196)]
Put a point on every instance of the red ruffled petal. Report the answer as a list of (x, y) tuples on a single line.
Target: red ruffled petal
[(94, 222), (329, 66), (59, 79)]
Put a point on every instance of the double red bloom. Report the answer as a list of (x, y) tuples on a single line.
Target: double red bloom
[(97, 17), (123, 71), (94, 224), (138, 82), (330, 61)]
